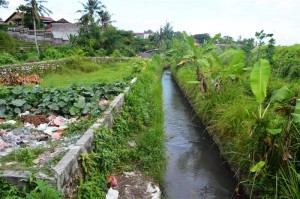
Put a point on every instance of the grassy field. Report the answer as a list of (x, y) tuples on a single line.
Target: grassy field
[(87, 72)]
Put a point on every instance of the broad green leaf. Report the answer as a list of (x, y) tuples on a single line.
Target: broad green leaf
[(296, 117), (274, 131), (280, 94), (259, 78), (80, 102), (74, 110), (258, 166), (17, 110), (18, 102), (53, 106), (2, 101)]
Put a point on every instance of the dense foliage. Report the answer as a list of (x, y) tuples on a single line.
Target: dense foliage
[(72, 100), (255, 115), (142, 122)]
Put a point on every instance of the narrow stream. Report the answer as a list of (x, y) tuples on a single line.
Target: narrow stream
[(194, 169)]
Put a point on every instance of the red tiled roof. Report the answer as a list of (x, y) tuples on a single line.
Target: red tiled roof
[(49, 29), (47, 19)]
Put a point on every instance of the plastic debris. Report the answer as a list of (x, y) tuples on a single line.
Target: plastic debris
[(112, 181), (42, 127), (55, 135), (103, 102), (154, 191), (10, 122), (3, 145), (112, 194), (50, 129)]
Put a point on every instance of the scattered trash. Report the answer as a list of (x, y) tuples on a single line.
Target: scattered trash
[(3, 145), (55, 135), (153, 190), (129, 174), (103, 102), (112, 194), (112, 181), (10, 122)]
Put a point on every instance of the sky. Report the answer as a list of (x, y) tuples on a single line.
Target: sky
[(229, 17)]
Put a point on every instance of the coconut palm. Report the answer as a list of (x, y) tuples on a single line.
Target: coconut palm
[(37, 10), (91, 8), (104, 19)]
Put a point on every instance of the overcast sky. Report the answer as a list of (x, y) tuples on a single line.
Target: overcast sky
[(228, 17)]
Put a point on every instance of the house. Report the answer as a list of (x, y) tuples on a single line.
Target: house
[(46, 21), (14, 19), (145, 34)]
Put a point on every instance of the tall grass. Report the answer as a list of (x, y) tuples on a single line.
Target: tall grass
[(142, 122), (86, 72)]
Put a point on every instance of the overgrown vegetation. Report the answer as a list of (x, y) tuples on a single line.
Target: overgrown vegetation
[(141, 122), (34, 189), (255, 118)]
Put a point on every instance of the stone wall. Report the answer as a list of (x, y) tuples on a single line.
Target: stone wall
[(59, 35), (28, 68)]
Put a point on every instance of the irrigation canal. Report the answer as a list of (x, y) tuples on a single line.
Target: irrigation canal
[(195, 168)]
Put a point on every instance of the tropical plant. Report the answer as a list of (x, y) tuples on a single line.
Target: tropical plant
[(37, 10), (104, 19), (90, 10), (200, 38)]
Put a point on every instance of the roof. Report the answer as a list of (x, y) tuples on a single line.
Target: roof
[(49, 29), (15, 15), (47, 19), (62, 20)]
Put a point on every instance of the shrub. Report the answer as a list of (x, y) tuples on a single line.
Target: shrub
[(52, 53), (7, 43), (6, 58), (116, 54)]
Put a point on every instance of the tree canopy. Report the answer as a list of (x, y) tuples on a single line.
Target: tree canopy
[(3, 3)]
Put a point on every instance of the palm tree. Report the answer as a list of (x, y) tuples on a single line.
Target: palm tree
[(104, 19), (90, 10), (37, 10)]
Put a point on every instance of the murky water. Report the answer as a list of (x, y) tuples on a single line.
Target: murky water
[(194, 169)]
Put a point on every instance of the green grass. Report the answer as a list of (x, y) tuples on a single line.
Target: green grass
[(141, 121), (87, 73)]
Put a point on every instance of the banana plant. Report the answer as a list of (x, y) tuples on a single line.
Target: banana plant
[(202, 58)]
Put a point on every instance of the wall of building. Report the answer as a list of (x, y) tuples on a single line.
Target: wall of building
[(59, 35)]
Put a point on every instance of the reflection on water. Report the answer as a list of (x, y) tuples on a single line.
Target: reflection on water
[(195, 169)]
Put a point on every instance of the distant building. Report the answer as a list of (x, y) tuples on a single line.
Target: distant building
[(145, 34), (14, 19)]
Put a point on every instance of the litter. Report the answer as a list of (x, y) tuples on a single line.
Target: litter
[(112, 194)]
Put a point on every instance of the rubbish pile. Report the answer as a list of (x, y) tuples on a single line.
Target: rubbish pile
[(37, 130)]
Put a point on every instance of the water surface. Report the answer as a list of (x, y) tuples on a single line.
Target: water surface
[(195, 168)]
